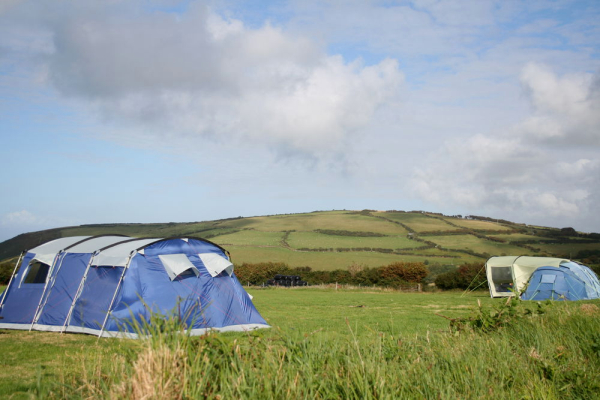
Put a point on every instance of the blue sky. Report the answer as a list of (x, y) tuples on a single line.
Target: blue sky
[(160, 111)]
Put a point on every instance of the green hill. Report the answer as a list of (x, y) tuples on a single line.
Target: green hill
[(328, 240)]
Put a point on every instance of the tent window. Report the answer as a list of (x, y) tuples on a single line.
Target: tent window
[(548, 278), (178, 265), (215, 264), (37, 272), (502, 278)]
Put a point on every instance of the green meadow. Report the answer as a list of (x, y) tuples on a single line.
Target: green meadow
[(329, 261), (315, 240), (567, 250), (418, 222), (336, 220), (250, 238), (330, 240), (477, 225), (466, 242), (517, 237), (327, 343)]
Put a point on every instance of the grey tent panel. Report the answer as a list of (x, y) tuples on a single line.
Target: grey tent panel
[(57, 245), (118, 254), (96, 243)]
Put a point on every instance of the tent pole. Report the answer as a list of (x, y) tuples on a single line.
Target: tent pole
[(78, 292), (476, 276), (40, 307), (11, 279), (115, 294)]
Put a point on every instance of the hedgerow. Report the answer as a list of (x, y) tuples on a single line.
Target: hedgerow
[(394, 274)]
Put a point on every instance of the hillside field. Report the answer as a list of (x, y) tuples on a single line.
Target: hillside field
[(329, 240)]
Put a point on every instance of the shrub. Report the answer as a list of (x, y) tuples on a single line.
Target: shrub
[(400, 272), (257, 274), (488, 319), (6, 270), (464, 277)]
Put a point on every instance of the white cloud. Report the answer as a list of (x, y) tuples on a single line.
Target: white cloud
[(566, 109), (527, 172), (198, 74), (22, 217)]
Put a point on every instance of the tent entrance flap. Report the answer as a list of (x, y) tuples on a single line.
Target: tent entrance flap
[(177, 264)]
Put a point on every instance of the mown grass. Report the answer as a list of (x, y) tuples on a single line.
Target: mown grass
[(337, 220), (320, 240), (419, 222), (250, 238), (330, 310), (322, 345), (477, 225), (519, 237), (466, 242), (329, 261), (567, 250)]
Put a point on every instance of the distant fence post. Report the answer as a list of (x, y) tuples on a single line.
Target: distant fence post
[(419, 288)]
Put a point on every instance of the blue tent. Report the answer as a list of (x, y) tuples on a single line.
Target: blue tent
[(102, 285), (570, 281)]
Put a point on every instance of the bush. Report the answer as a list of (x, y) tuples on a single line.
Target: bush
[(257, 274), (436, 269), (400, 272), (466, 276), (6, 270), (391, 275)]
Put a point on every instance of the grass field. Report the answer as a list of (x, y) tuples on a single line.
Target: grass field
[(329, 261), (519, 237), (466, 242), (261, 239), (338, 220), (325, 344), (567, 250), (419, 222), (330, 310), (313, 240), (31, 360), (477, 225), (250, 238)]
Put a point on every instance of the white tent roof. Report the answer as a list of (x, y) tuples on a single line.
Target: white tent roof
[(116, 250), (118, 254), (57, 245), (96, 243), (47, 251)]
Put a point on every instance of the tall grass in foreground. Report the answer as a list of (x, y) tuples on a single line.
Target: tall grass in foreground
[(519, 354)]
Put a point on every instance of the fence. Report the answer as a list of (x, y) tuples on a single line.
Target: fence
[(411, 287)]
